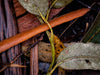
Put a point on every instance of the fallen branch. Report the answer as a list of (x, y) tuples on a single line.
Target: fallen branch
[(10, 42)]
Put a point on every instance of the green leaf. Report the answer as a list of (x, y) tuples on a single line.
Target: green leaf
[(93, 35), (31, 6), (62, 3), (80, 56)]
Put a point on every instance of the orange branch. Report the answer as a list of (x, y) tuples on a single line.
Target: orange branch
[(12, 41)]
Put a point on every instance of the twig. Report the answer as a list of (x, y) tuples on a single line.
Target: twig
[(90, 7), (47, 16), (26, 50), (68, 27), (8, 43), (74, 22)]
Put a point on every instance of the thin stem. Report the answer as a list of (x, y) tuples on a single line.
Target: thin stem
[(51, 40), (68, 27), (47, 16)]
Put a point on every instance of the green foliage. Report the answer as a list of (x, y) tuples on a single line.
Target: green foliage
[(31, 6), (93, 35), (62, 3), (80, 56)]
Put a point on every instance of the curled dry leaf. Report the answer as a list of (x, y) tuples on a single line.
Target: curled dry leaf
[(59, 46), (80, 56)]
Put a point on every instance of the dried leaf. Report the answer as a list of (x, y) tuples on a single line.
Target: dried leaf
[(80, 56), (59, 46), (31, 6)]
